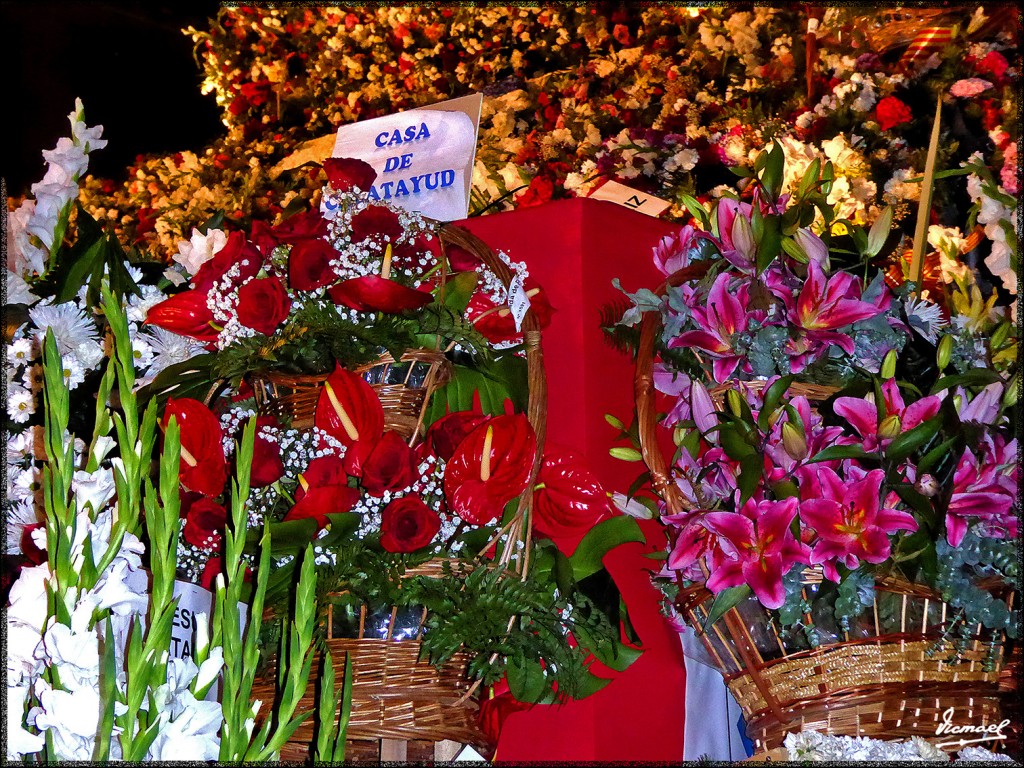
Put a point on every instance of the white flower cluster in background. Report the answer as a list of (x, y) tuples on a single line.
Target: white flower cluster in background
[(998, 213), (811, 746)]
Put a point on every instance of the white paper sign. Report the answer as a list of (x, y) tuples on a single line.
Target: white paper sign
[(423, 157), (630, 198), (518, 301), (195, 604)]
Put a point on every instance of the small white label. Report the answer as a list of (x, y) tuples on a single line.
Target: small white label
[(518, 301), (469, 755), (630, 198)]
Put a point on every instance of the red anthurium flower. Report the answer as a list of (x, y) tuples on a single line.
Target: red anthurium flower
[(495, 709), (724, 315), (758, 547), (204, 524), (377, 294), (322, 500), (899, 417), (349, 409), (407, 524), (496, 323), (309, 265), (266, 467), (490, 468), (186, 314), (376, 222), (344, 173), (461, 260), (263, 304), (568, 500), (390, 466), (446, 433), (202, 468), (850, 521)]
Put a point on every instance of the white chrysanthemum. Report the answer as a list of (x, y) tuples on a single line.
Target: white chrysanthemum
[(73, 370), (142, 352), (138, 307), (71, 326), (926, 318), (20, 404), (26, 484), (20, 352), (20, 515), (169, 348), (89, 354)]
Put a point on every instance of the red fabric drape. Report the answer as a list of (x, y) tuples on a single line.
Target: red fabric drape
[(574, 248)]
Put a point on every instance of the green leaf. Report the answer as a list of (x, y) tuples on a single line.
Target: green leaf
[(291, 537), (835, 452), (724, 601), (751, 471), (696, 210), (810, 178), (193, 378), (526, 680), (458, 290), (905, 444), (772, 397), (587, 559), (936, 454), (735, 447), (769, 245), (976, 377), (917, 501), (504, 378)]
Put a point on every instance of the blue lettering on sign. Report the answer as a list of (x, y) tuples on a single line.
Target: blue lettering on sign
[(411, 133), (423, 182)]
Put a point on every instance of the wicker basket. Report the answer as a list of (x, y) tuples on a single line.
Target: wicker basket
[(876, 681), (404, 388), (395, 694)]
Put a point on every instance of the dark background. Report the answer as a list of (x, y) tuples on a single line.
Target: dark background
[(128, 62)]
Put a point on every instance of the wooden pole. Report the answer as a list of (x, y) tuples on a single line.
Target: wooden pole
[(924, 206)]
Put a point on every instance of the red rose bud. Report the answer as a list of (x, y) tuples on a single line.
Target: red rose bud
[(344, 173), (490, 468), (204, 524), (568, 499), (208, 577), (263, 304), (391, 466), (375, 294), (186, 314), (407, 524), (446, 433), (236, 251), (320, 501), (202, 468), (376, 222), (266, 468), (309, 265), (349, 409)]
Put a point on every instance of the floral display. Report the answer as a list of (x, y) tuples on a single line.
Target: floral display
[(824, 420)]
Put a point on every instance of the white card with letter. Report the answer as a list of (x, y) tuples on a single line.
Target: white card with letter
[(630, 198)]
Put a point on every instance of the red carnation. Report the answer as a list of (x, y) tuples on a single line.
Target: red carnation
[(407, 524), (263, 304), (890, 112)]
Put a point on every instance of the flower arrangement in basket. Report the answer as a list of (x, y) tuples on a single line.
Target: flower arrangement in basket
[(400, 403), (841, 497)]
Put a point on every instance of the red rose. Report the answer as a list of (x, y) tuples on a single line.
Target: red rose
[(390, 466), (446, 433), (204, 524), (236, 251), (263, 304), (378, 222), (202, 468), (344, 173), (890, 112), (306, 225), (34, 554), (309, 265), (407, 524), (210, 570), (266, 467), (540, 191)]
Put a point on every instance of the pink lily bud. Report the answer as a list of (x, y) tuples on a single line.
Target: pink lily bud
[(927, 485), (702, 407)]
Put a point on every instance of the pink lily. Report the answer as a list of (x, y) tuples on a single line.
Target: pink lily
[(759, 548), (986, 490), (737, 238), (850, 521), (826, 304), (784, 447), (724, 315), (862, 413), (675, 251)]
